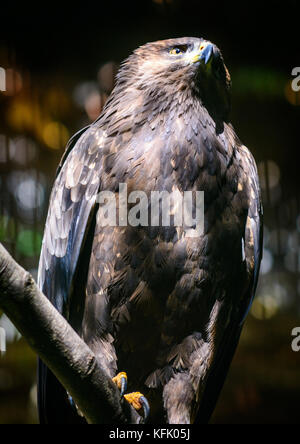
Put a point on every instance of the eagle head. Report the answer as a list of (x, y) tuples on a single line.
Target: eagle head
[(180, 69)]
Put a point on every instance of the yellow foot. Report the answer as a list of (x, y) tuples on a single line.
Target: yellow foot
[(138, 402), (121, 381)]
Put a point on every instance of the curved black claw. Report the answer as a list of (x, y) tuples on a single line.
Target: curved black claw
[(146, 408), (123, 385)]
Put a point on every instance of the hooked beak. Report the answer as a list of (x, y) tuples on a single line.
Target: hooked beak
[(204, 54)]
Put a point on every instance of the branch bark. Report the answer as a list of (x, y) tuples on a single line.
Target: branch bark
[(59, 346)]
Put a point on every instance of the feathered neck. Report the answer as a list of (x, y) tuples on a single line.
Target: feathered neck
[(138, 99)]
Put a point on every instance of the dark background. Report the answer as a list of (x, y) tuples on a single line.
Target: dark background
[(60, 63)]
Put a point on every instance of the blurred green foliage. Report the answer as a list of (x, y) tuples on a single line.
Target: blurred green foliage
[(29, 243)]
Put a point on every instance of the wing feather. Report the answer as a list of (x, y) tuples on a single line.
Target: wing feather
[(253, 244), (70, 218), (71, 206)]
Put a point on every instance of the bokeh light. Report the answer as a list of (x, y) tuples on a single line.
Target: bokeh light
[(93, 105), (272, 297), (22, 150), (293, 97), (106, 77), (20, 116), (29, 194), (269, 174), (83, 91), (14, 82), (267, 262), (55, 135)]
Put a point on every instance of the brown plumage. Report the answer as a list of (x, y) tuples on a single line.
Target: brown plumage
[(166, 308)]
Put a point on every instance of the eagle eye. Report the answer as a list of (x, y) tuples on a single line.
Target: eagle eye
[(178, 50)]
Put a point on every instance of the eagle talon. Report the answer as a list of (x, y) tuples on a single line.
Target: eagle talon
[(139, 402), (146, 408), (121, 381), (123, 385)]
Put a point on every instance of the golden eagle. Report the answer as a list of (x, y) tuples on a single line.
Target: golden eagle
[(149, 299)]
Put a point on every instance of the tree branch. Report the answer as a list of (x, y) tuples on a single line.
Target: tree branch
[(59, 346)]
